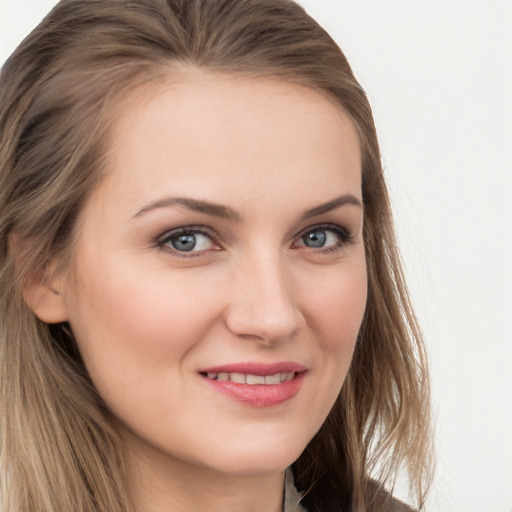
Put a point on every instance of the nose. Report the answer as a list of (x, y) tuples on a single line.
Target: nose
[(262, 306)]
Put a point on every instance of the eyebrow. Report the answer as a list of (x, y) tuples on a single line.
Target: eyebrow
[(214, 209), (338, 202), (225, 212)]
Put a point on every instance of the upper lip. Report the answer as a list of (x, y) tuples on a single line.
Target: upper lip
[(254, 368)]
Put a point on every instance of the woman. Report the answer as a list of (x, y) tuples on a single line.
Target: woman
[(201, 286)]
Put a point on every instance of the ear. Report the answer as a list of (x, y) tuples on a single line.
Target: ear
[(46, 301), (42, 288)]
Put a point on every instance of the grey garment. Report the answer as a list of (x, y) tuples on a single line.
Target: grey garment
[(291, 496)]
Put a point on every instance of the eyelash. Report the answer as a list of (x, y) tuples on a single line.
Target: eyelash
[(166, 238), (345, 238)]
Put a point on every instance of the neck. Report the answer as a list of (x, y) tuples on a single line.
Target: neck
[(160, 483)]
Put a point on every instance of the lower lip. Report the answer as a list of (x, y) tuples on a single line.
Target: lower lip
[(259, 395)]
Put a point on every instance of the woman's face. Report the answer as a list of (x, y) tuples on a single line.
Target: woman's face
[(219, 279)]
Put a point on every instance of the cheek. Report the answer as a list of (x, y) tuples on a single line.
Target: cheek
[(130, 323), (337, 309)]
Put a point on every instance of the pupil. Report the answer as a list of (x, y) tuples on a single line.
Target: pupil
[(184, 242), (315, 239)]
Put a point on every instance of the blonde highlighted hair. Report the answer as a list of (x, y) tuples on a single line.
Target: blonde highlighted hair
[(59, 451)]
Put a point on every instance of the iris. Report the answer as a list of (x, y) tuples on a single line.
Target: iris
[(185, 242), (315, 238)]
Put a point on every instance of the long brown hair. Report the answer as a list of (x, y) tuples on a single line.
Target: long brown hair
[(58, 91)]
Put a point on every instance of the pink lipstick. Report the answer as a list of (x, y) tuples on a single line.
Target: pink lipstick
[(256, 384)]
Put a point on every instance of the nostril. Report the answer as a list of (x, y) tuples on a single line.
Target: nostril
[(262, 307)]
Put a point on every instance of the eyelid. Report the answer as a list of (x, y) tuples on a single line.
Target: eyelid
[(345, 236), (162, 240)]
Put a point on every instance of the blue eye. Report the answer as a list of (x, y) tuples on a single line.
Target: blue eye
[(184, 242), (187, 241), (315, 238), (324, 237)]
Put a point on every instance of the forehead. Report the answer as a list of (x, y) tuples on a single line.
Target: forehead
[(212, 133)]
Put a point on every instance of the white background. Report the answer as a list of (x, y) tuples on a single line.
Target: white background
[(439, 77)]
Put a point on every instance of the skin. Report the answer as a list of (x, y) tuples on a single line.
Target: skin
[(147, 317)]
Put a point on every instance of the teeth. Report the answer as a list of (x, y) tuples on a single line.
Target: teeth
[(273, 379), (255, 379), (241, 378)]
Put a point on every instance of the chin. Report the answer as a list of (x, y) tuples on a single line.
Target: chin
[(259, 458)]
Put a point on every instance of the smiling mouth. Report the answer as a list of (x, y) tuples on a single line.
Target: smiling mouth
[(251, 379), (256, 384)]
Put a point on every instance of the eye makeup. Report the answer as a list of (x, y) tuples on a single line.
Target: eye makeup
[(196, 240)]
